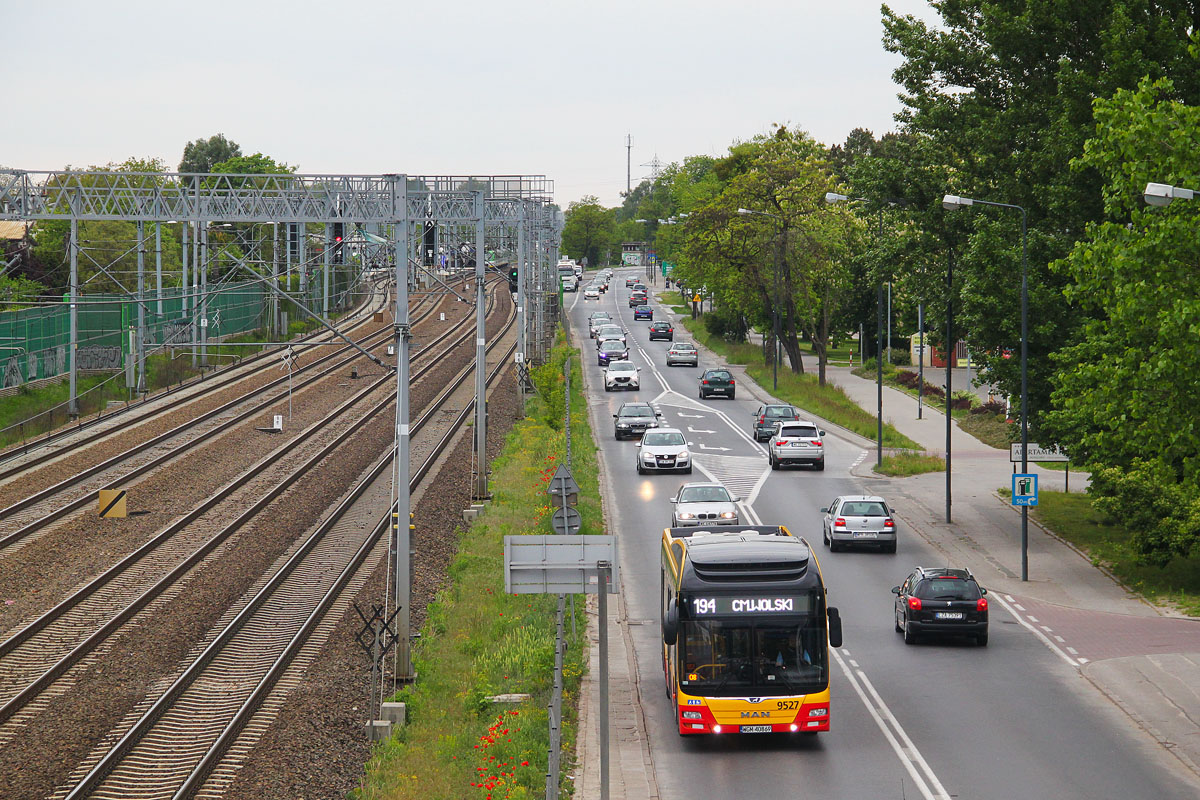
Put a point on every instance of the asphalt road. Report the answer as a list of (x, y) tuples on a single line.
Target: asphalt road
[(934, 720)]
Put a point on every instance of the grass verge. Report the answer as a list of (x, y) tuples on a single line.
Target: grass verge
[(901, 465), (1075, 519), (478, 641), (828, 402), (991, 429)]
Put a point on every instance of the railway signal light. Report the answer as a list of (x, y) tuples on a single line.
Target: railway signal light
[(338, 234)]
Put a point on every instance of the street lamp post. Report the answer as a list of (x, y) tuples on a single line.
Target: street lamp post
[(951, 202), (775, 307)]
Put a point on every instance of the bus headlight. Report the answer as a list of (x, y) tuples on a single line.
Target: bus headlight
[(692, 715)]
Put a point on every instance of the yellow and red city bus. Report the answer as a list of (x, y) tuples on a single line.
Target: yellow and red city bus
[(746, 631)]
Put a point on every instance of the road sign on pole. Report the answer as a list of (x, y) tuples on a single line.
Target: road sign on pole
[(1024, 489), (566, 520)]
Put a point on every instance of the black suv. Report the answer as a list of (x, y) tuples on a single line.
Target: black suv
[(662, 330), (632, 419), (941, 601), (717, 381), (766, 417)]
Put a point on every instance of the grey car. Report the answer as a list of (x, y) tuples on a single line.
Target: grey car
[(857, 520), (703, 504), (611, 350), (682, 353), (609, 331)]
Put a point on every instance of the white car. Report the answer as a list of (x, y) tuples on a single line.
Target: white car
[(621, 375), (591, 293), (703, 504), (663, 449)]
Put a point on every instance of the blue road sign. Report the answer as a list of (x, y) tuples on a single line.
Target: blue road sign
[(1024, 489)]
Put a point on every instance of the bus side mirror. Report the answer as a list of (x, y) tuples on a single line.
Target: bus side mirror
[(835, 627), (670, 624)]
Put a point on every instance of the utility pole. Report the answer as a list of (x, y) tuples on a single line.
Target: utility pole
[(628, 163), (481, 488), (73, 402), (403, 538), (141, 308)]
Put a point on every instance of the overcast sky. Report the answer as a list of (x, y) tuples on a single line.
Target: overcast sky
[(449, 87)]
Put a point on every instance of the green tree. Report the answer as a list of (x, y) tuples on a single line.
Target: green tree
[(590, 229), (1001, 96), (203, 154), (1124, 393), (784, 175)]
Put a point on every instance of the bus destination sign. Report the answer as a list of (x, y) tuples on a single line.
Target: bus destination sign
[(739, 604)]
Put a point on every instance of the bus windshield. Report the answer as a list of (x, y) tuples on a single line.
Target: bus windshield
[(741, 657)]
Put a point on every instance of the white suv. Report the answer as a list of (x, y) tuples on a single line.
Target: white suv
[(621, 375)]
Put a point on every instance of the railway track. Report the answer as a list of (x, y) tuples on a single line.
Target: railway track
[(33, 513), (17, 658), (36, 655), (178, 742), (15, 459)]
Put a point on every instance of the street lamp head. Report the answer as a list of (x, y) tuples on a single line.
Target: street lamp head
[(744, 211), (641, 220), (951, 202), (834, 197), (1161, 194)]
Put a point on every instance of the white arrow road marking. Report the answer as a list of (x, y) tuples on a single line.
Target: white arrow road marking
[(697, 430), (690, 416), (720, 449)]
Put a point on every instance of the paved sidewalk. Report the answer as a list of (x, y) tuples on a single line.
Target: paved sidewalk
[(631, 770)]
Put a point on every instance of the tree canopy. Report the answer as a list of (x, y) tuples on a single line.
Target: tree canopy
[(202, 155)]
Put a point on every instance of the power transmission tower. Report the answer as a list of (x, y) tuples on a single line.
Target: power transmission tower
[(656, 167)]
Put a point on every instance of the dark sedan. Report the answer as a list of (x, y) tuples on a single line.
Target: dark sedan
[(612, 350), (717, 381), (662, 330)]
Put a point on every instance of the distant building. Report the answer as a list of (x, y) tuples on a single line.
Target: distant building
[(633, 254)]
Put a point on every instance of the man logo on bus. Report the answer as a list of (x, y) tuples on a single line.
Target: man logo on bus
[(755, 714)]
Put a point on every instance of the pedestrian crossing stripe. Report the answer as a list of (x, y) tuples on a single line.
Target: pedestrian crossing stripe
[(741, 475), (112, 503)]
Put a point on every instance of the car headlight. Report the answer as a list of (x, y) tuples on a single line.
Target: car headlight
[(647, 456), (682, 454), (728, 515), (651, 424), (686, 515), (622, 424)]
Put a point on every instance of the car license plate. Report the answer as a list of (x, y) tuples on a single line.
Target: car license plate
[(797, 444), (948, 615), (756, 729), (866, 535)]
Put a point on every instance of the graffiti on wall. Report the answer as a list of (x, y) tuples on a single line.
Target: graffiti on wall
[(96, 357)]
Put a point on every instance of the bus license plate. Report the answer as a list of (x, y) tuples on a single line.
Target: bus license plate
[(756, 729), (949, 615)]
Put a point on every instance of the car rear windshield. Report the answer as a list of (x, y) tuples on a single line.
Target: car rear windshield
[(780, 411), (863, 508), (663, 439), (798, 431), (719, 375), (684, 346), (948, 589)]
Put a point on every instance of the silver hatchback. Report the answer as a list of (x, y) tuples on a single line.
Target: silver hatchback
[(859, 519)]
